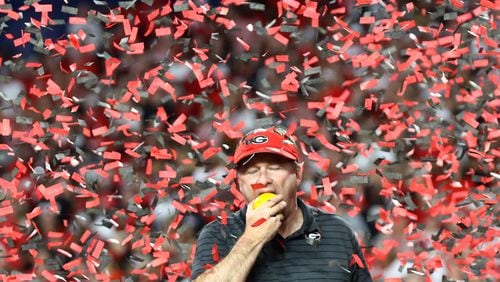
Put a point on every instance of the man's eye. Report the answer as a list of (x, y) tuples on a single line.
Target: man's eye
[(251, 170), (274, 167)]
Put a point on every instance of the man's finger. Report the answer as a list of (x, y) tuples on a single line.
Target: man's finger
[(277, 208), (280, 217), (271, 202)]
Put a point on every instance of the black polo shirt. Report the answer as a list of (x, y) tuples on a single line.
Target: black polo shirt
[(323, 249)]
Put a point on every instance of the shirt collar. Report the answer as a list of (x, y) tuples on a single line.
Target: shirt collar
[(309, 225)]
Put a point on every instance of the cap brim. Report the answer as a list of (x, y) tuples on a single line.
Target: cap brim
[(264, 150)]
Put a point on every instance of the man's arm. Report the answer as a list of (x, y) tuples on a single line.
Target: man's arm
[(237, 264), (262, 225)]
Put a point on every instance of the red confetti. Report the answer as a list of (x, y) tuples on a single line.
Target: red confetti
[(125, 118), (257, 186), (258, 222), (356, 260)]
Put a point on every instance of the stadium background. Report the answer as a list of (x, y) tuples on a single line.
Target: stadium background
[(119, 119)]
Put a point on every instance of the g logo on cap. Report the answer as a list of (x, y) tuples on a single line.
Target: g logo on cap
[(259, 139)]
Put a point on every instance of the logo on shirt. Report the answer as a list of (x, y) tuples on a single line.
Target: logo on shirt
[(313, 238)]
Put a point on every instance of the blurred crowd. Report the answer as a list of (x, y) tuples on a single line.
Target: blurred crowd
[(117, 156)]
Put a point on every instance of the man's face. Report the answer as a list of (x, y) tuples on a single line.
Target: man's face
[(272, 173)]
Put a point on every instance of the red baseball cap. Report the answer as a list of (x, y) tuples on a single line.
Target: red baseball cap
[(273, 140)]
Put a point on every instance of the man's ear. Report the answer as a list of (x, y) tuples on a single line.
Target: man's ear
[(299, 171)]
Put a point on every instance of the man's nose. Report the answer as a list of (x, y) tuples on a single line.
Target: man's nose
[(264, 176)]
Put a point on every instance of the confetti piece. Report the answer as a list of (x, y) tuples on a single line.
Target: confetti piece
[(470, 119), (367, 20), (369, 84), (256, 186), (6, 210), (357, 260), (6, 129), (258, 222), (49, 276), (327, 186), (111, 65), (243, 44)]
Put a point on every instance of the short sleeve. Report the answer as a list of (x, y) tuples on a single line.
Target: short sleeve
[(211, 247), (203, 255)]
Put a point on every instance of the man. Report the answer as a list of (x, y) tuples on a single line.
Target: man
[(282, 239)]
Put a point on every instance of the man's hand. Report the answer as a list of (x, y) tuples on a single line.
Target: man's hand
[(263, 223)]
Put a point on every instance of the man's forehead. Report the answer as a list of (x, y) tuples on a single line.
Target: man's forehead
[(265, 158)]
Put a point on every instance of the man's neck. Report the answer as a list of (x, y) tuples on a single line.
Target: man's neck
[(292, 222)]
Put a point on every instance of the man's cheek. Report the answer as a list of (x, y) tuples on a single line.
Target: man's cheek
[(247, 193)]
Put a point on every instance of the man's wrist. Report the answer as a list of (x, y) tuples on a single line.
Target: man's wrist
[(250, 241)]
